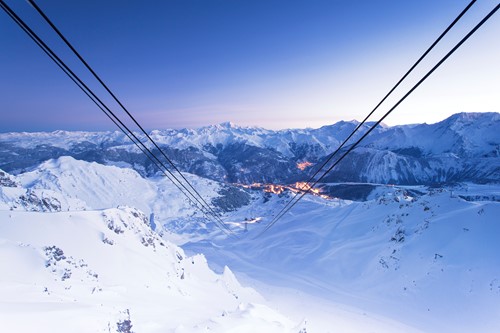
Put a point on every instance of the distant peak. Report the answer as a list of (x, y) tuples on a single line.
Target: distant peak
[(474, 115), (470, 117), (228, 124)]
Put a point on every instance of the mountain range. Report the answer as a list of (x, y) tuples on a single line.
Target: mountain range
[(462, 148)]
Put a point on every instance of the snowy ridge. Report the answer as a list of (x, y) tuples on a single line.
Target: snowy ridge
[(474, 130), (7, 180), (62, 139), (14, 196), (97, 185), (66, 184)]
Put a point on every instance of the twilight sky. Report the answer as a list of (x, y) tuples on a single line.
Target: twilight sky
[(274, 64)]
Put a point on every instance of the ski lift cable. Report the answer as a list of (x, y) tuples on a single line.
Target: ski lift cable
[(307, 185), (59, 33), (465, 38), (103, 107)]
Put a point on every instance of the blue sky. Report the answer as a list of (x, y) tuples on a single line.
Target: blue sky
[(274, 64)]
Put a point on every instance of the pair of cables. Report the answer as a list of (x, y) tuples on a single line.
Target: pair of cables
[(309, 185), (175, 175)]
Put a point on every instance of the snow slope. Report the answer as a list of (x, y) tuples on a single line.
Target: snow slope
[(102, 271), (425, 257)]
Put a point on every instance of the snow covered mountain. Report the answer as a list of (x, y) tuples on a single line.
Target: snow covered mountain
[(89, 230), (68, 257), (66, 184), (423, 257), (464, 147)]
